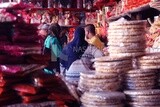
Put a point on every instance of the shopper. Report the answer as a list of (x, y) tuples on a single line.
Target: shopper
[(53, 47), (92, 38), (63, 37), (90, 53), (84, 64), (43, 30), (74, 49)]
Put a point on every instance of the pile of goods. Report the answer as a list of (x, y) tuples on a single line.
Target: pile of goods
[(7, 95), (129, 4), (153, 38), (126, 38), (33, 87), (89, 81), (103, 99), (11, 75), (149, 61), (110, 65), (155, 4), (139, 79), (143, 98), (132, 70), (6, 16), (105, 82), (21, 68)]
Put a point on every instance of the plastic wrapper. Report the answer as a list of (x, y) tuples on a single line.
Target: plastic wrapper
[(9, 76), (51, 85), (59, 96), (45, 79), (11, 48), (29, 99), (9, 101), (19, 50), (5, 83), (22, 39), (6, 16), (41, 104), (24, 53), (26, 88), (6, 59), (9, 98), (16, 68), (2, 90)]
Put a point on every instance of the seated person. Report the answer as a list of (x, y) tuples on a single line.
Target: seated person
[(92, 38)]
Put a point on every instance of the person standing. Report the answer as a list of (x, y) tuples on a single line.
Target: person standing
[(52, 46), (43, 32), (74, 50)]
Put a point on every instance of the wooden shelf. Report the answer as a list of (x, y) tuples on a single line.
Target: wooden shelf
[(134, 10), (104, 3), (77, 9), (62, 9), (42, 9), (69, 26)]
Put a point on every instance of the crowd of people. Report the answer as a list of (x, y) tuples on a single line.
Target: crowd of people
[(65, 55)]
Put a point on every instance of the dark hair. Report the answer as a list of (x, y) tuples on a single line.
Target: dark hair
[(91, 28), (55, 29)]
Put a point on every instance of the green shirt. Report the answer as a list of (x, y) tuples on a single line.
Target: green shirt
[(52, 43)]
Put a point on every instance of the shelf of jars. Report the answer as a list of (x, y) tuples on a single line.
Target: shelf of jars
[(134, 10), (63, 9), (100, 4), (126, 7)]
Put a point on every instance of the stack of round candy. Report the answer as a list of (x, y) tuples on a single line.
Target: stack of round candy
[(140, 79), (126, 38), (72, 76), (89, 81), (107, 65), (103, 99), (143, 98), (149, 61), (158, 74)]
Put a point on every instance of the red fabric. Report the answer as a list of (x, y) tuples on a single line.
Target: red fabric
[(61, 97), (17, 68), (6, 59), (24, 39), (26, 88), (29, 99)]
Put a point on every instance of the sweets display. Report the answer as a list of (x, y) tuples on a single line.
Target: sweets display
[(149, 61), (143, 98), (155, 33), (139, 79), (90, 81), (103, 99), (126, 38)]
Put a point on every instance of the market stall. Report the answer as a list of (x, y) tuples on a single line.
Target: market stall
[(128, 75)]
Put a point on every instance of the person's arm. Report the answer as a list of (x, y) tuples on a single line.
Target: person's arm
[(97, 52), (56, 48), (63, 58)]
